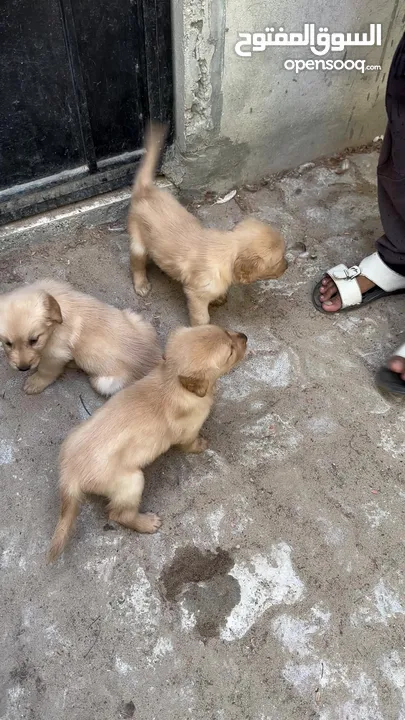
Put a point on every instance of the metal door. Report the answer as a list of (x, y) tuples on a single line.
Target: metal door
[(78, 80)]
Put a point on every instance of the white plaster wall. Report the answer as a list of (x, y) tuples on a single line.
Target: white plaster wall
[(241, 118)]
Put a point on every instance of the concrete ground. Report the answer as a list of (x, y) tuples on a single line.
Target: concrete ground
[(275, 589)]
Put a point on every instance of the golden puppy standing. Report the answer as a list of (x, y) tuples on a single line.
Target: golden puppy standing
[(205, 261), (47, 325), (105, 455)]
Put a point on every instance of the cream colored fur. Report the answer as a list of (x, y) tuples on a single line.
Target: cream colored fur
[(47, 325), (205, 261), (107, 453)]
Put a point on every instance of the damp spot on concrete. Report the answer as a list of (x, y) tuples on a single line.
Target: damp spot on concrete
[(211, 603), (191, 565), (206, 589), (40, 685), (127, 709), (25, 674), (21, 673)]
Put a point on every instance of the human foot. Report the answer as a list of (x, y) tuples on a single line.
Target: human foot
[(329, 294), (391, 377), (343, 288), (397, 365)]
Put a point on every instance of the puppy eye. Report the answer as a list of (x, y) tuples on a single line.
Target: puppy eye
[(8, 343), (34, 340)]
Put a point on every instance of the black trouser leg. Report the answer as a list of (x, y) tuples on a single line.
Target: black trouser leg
[(391, 168)]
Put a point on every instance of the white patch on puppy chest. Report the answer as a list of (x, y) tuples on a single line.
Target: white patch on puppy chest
[(106, 385)]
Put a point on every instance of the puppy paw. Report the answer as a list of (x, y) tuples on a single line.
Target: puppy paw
[(221, 300), (198, 446), (148, 523), (142, 288), (35, 384)]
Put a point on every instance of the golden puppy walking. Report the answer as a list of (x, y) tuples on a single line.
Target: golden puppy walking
[(47, 325), (106, 454), (205, 261)]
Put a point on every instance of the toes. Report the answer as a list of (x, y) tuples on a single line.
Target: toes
[(143, 289), (328, 293), (148, 523), (332, 305), (200, 445), (32, 386), (154, 522), (326, 284), (397, 365)]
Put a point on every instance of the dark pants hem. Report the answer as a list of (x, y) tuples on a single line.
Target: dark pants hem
[(391, 168)]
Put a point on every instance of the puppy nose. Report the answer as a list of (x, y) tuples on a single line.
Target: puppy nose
[(243, 336), (23, 368)]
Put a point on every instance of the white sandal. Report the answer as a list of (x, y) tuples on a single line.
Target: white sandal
[(387, 282)]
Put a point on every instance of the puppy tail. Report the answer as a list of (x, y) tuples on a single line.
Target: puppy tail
[(69, 510), (155, 138)]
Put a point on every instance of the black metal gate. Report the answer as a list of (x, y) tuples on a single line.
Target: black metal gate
[(78, 80)]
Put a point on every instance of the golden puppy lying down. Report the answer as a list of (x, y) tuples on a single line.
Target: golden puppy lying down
[(105, 454), (205, 261), (47, 325)]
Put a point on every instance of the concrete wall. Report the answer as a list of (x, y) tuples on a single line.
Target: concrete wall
[(238, 119)]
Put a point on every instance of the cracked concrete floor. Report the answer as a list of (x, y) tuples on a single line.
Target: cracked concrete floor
[(275, 589)]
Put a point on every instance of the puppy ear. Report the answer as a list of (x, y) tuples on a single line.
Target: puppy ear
[(52, 310), (196, 385), (247, 267)]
